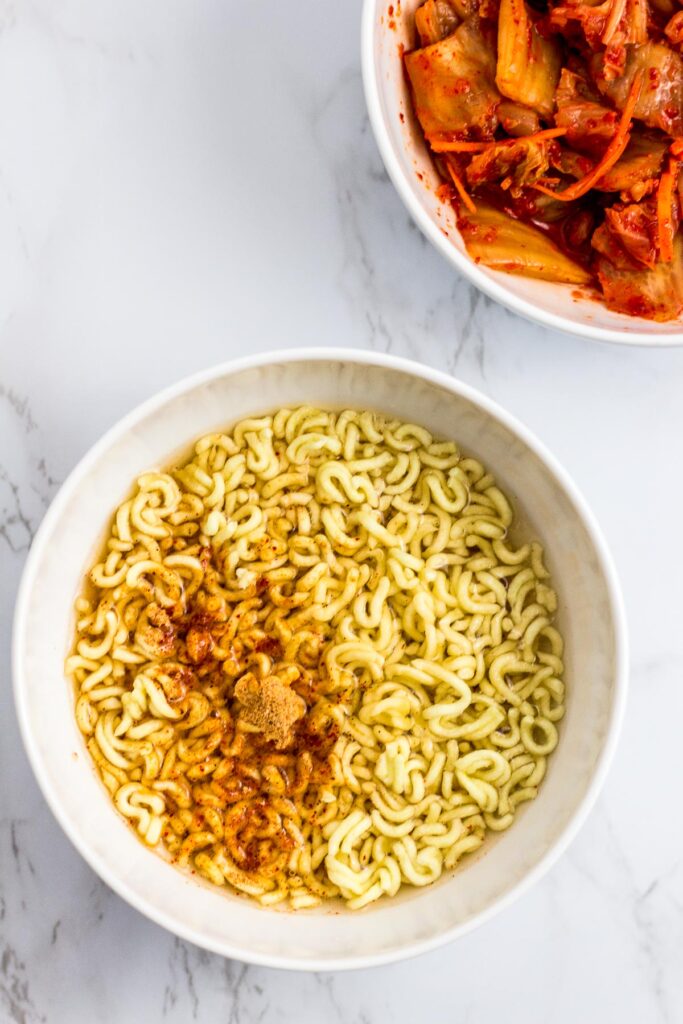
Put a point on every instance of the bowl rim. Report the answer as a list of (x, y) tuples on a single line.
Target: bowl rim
[(445, 247), (152, 405)]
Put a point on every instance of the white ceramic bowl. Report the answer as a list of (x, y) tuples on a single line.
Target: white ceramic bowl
[(410, 167), (592, 620)]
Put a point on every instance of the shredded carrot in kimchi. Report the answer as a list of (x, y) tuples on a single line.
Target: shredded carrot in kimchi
[(557, 127)]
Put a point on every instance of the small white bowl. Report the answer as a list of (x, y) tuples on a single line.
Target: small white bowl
[(591, 618), (410, 167)]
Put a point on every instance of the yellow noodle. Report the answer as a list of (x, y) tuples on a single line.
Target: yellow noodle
[(390, 567)]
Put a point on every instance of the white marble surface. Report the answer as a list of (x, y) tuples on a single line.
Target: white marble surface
[(183, 182)]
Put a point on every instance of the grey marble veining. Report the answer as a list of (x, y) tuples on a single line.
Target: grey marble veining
[(183, 183)]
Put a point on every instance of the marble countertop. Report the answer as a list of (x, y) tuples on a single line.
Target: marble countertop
[(185, 182)]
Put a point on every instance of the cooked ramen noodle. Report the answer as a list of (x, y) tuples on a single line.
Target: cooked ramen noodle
[(311, 663)]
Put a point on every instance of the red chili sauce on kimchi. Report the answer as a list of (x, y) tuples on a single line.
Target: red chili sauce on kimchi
[(557, 128)]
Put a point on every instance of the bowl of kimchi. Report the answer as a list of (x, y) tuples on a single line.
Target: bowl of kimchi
[(539, 147)]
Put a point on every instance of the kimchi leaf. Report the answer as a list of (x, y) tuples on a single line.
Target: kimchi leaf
[(656, 293), (502, 243), (435, 20), (590, 125), (518, 120), (453, 83), (521, 162), (634, 227), (528, 66), (637, 170), (660, 103)]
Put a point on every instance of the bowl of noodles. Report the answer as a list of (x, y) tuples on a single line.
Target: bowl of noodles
[(537, 148), (319, 659)]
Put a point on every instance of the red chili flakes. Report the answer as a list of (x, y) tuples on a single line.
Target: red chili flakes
[(269, 645)]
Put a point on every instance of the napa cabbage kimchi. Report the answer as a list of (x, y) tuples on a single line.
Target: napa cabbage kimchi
[(557, 127)]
